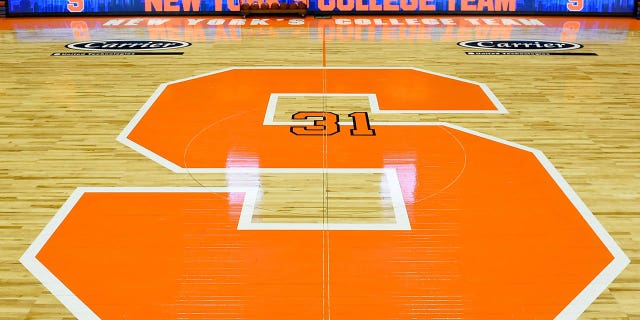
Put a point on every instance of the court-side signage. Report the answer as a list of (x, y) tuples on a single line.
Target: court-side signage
[(128, 45), (522, 47), (526, 45), (124, 47)]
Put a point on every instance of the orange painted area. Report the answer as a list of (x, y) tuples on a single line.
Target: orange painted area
[(176, 255), (492, 234), (497, 244), (226, 105), (399, 89)]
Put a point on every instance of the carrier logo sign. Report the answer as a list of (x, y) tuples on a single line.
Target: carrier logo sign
[(520, 45), (127, 45), (123, 48)]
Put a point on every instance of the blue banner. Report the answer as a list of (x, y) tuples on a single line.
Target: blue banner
[(36, 7)]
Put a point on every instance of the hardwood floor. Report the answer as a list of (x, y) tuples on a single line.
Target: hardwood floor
[(60, 115)]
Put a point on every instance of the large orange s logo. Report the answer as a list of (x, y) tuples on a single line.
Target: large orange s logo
[(470, 226)]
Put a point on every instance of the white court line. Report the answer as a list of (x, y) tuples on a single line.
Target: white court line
[(399, 209), (374, 107)]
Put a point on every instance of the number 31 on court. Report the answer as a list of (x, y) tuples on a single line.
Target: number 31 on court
[(329, 124)]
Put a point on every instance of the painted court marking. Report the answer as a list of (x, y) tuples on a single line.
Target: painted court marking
[(399, 209), (270, 110), (57, 287), (81, 311), (374, 108), (391, 175), (572, 310)]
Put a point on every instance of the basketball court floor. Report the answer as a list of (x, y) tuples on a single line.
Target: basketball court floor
[(345, 167)]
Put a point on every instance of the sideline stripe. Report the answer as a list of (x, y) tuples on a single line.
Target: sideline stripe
[(324, 47)]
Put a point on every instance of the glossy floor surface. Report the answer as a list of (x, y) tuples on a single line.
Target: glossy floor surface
[(337, 168)]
